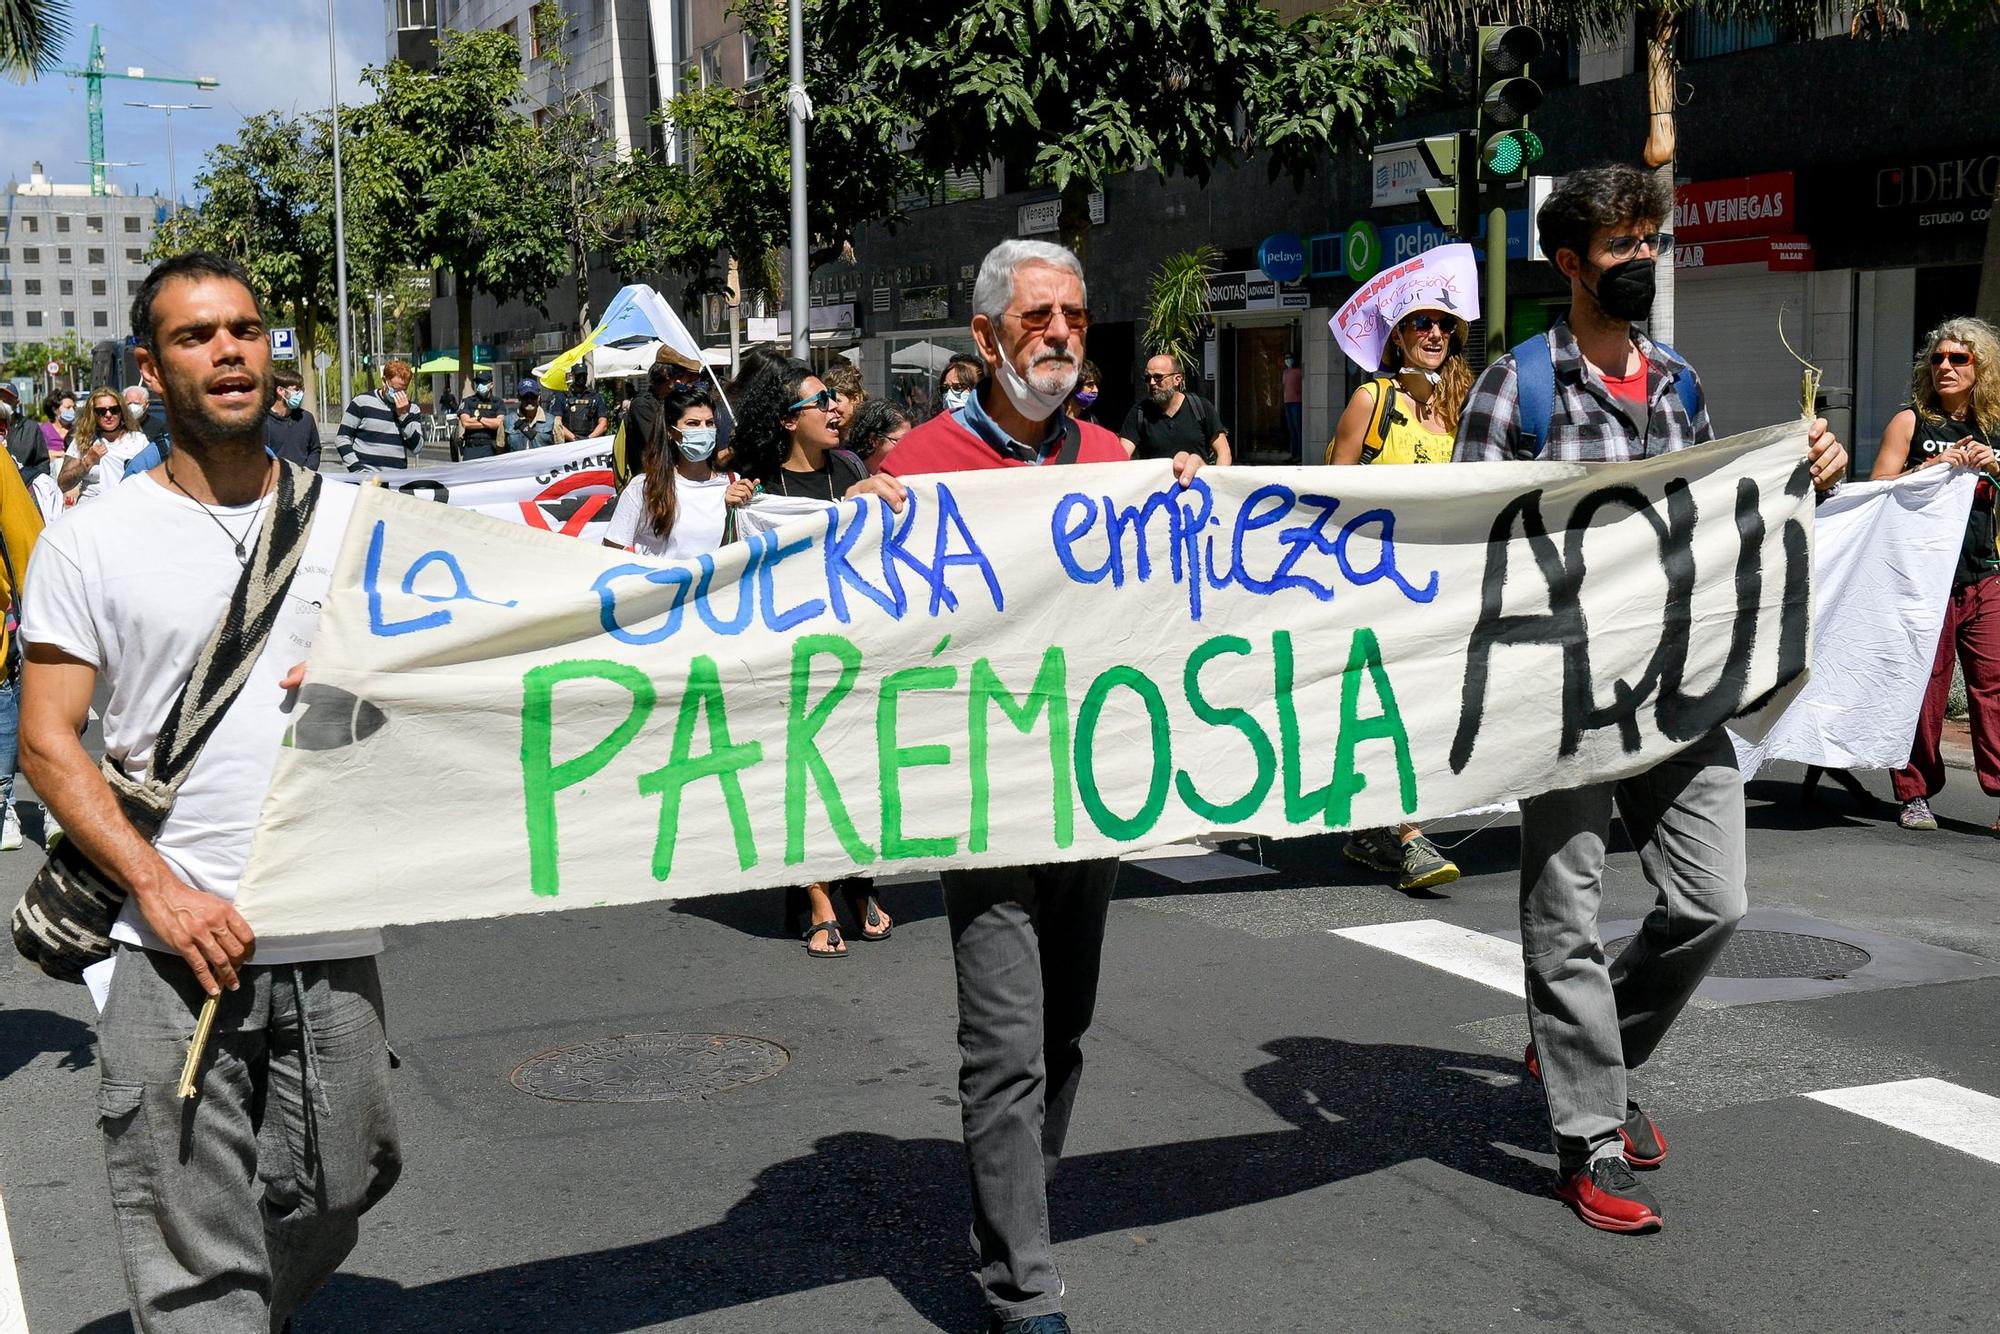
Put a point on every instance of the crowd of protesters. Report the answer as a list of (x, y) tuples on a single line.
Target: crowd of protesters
[(240, 453)]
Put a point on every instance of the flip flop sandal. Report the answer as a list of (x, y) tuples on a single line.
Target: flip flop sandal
[(870, 917), (832, 929)]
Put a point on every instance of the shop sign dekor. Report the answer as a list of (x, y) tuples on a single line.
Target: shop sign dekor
[(1941, 192)]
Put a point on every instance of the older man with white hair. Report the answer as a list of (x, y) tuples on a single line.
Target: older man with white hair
[(1025, 939)]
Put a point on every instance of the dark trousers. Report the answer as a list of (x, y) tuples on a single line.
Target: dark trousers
[(1971, 633), (1026, 942)]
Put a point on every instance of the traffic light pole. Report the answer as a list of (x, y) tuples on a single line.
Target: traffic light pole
[(1495, 306)]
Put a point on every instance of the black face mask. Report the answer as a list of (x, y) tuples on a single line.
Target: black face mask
[(1625, 291)]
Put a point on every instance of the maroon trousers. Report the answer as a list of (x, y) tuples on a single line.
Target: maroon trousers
[(1972, 632)]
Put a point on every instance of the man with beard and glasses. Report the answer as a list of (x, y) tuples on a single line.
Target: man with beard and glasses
[(232, 1206), (1169, 420), (1595, 389), (1026, 940)]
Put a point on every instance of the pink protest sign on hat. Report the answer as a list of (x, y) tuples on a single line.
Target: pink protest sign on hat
[(1443, 278)]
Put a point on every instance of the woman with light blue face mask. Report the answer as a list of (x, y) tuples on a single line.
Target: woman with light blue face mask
[(678, 507)]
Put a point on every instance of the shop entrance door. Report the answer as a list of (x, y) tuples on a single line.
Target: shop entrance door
[(1253, 390)]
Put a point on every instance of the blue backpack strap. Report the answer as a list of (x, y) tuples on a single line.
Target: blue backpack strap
[(1684, 382), (1535, 388)]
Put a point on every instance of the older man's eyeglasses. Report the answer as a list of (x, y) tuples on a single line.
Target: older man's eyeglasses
[(822, 400), (1624, 247), (1955, 358), (1041, 317), (1161, 377)]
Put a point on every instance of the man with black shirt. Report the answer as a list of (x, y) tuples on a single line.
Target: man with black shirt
[(480, 420), (578, 414), (24, 436), (292, 432), (1170, 421)]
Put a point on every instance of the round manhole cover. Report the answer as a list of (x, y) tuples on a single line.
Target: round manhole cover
[(1777, 954), (649, 1067)]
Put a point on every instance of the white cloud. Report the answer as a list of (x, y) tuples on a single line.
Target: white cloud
[(267, 58)]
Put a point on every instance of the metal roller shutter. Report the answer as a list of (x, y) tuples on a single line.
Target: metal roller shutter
[(1726, 325)]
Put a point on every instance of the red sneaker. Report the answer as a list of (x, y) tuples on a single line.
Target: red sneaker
[(1645, 1146), (1607, 1196)]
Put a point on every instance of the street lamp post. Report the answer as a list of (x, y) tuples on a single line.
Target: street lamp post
[(339, 214), (798, 108), (173, 177)]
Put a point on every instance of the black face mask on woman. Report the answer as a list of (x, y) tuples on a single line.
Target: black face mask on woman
[(1625, 291)]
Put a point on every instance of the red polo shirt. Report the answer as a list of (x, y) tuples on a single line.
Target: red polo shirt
[(943, 445)]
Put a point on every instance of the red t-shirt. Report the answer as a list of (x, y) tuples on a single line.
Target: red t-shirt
[(1631, 388), (943, 445)]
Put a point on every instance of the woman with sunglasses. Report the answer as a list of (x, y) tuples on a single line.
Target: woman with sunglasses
[(105, 442), (1953, 420), (787, 441), (1408, 413)]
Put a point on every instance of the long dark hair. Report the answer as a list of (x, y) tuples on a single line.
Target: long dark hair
[(662, 500), (759, 443)]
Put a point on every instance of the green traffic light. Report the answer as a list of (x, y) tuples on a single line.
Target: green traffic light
[(1504, 155)]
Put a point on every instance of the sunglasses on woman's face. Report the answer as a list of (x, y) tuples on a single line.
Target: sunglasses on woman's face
[(1955, 358), (109, 410), (1426, 323), (822, 400)]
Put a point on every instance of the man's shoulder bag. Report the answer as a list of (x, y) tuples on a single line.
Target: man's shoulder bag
[(63, 922)]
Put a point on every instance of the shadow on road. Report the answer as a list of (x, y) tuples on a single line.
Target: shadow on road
[(26, 1034), (864, 1205)]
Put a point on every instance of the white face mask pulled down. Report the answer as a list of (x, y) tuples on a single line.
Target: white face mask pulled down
[(1033, 403)]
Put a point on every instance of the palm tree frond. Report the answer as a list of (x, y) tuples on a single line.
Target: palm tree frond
[(32, 33)]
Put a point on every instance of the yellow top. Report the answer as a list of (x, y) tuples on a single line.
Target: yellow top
[(1407, 442), (20, 526)]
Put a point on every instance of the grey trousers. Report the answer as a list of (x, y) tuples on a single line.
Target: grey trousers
[(1593, 1021), (1026, 941), (232, 1207)]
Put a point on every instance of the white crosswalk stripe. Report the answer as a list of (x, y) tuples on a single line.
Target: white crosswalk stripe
[(1933, 1109), (1473, 955), (13, 1315)]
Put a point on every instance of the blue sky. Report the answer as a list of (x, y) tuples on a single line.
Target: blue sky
[(269, 57)]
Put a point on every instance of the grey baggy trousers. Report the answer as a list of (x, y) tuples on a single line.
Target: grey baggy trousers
[(1026, 941), (233, 1206), (1593, 1021)]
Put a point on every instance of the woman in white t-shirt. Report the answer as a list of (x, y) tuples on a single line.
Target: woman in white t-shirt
[(677, 506)]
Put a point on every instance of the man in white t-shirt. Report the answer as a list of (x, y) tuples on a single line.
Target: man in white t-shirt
[(233, 1207)]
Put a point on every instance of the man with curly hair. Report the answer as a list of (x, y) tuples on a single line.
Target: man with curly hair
[(1613, 395)]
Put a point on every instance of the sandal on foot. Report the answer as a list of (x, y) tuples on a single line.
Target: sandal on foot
[(832, 930), (875, 924)]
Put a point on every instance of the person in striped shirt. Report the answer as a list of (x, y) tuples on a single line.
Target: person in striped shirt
[(381, 429)]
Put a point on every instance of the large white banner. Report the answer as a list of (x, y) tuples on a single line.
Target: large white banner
[(568, 488), (1883, 557), (1023, 666)]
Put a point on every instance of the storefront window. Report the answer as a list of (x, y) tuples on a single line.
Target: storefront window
[(915, 363)]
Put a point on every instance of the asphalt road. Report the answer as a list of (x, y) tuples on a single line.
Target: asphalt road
[(1281, 1128)]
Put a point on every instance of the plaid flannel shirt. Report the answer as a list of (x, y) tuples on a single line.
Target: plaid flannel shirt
[(1586, 424)]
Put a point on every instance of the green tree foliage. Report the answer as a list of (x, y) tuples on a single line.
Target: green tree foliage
[(267, 201), (31, 360), (1078, 91), (581, 161), (1178, 314), (32, 33), (461, 173), (732, 193)]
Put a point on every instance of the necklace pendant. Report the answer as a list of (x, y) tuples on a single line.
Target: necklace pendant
[(239, 552)]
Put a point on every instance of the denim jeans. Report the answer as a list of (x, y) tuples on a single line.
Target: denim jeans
[(233, 1206), (10, 736)]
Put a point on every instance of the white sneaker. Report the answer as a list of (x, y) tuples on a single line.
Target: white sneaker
[(50, 825), (10, 831)]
